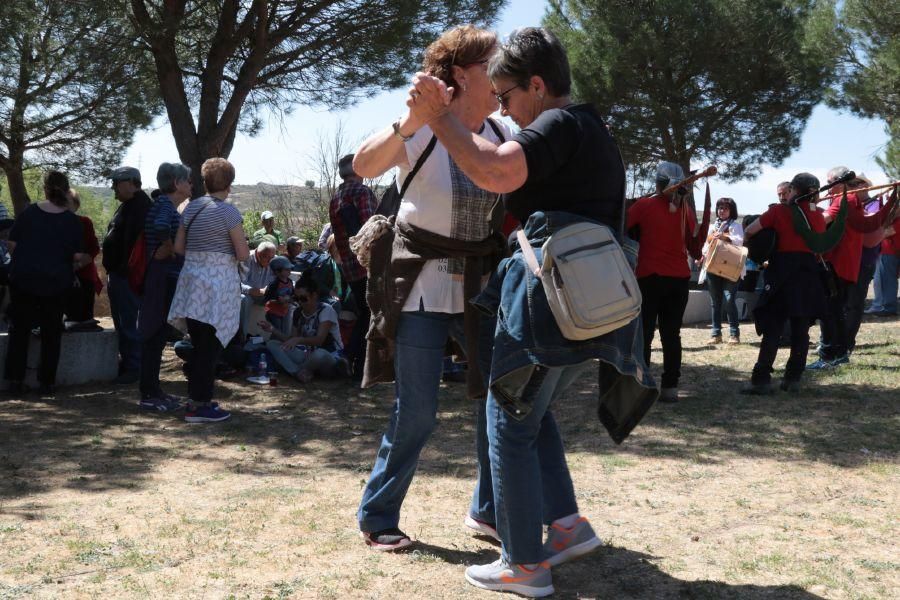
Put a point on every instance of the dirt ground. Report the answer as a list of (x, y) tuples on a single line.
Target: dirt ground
[(718, 496)]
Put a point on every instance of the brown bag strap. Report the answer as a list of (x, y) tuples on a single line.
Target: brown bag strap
[(528, 253)]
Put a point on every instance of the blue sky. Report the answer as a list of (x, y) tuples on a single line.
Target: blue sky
[(282, 152)]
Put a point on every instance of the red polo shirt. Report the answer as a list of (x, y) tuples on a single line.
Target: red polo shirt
[(662, 250), (847, 255), (778, 217)]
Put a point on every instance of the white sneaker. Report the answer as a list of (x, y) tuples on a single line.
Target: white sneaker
[(566, 544), (481, 527), (499, 576)]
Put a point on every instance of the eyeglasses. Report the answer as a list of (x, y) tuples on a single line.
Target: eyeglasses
[(303, 298), (501, 97)]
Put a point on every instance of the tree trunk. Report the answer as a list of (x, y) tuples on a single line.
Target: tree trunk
[(15, 179)]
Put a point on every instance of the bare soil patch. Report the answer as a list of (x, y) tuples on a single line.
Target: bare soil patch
[(719, 496)]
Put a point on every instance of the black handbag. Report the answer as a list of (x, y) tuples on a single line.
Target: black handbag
[(829, 279)]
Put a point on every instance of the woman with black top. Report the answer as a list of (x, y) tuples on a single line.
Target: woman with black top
[(561, 168), (46, 243)]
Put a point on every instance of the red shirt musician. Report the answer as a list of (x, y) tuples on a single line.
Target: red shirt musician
[(793, 290), (664, 223)]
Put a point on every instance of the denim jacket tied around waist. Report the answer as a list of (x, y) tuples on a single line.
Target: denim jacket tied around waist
[(527, 336)]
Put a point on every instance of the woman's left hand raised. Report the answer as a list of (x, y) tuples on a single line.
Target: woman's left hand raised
[(429, 98)]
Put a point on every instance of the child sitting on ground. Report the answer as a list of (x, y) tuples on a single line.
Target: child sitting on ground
[(279, 293), (315, 348)]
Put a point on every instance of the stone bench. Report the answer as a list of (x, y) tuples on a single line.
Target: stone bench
[(698, 309), (85, 357)]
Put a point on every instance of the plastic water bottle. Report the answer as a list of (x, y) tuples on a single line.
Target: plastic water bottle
[(263, 365)]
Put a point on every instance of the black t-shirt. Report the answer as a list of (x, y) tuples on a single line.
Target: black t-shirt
[(45, 242), (573, 166)]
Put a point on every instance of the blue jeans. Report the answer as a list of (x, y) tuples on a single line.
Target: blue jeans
[(124, 306), (319, 361), (722, 291), (532, 485), (886, 284), (418, 363)]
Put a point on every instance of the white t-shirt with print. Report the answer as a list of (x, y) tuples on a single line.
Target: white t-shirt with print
[(443, 200), (308, 325)]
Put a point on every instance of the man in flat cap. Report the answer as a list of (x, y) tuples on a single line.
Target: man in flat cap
[(126, 225)]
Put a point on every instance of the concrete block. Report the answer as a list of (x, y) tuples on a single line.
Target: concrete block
[(697, 310), (85, 357)]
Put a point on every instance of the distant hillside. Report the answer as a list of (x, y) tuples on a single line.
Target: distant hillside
[(244, 197)]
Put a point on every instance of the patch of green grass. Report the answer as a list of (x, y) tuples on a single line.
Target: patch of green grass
[(286, 589), (882, 469), (879, 566), (11, 528), (768, 563), (89, 551), (611, 462), (844, 519), (269, 492)]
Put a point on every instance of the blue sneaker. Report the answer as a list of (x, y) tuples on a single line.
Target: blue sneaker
[(819, 365), (840, 360), (163, 404), (206, 414)]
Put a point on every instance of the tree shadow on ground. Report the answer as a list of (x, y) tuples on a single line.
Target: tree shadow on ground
[(844, 424), (614, 572), (95, 439)]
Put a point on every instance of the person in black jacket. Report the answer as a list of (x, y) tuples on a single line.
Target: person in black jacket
[(123, 231)]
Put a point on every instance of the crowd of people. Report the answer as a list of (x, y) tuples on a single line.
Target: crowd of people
[(385, 293), (173, 262)]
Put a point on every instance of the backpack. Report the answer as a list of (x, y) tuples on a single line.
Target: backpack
[(320, 264), (138, 261)]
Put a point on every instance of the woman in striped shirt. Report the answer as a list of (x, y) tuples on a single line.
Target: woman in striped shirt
[(208, 296)]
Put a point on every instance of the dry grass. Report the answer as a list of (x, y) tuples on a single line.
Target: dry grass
[(719, 496)]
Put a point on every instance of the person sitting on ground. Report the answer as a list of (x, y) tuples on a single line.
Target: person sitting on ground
[(267, 233), (292, 250), (80, 303), (315, 348), (46, 242), (279, 293), (255, 278)]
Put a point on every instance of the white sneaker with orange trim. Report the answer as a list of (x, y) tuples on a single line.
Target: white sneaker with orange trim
[(481, 528), (501, 576), (564, 544)]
